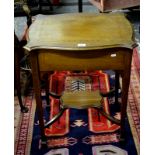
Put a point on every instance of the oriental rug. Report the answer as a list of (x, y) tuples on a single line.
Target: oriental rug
[(82, 132)]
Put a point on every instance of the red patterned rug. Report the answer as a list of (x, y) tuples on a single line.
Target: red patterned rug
[(133, 109), (25, 126)]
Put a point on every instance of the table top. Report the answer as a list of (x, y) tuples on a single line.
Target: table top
[(80, 31)]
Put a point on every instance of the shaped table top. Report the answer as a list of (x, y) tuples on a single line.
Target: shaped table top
[(80, 31)]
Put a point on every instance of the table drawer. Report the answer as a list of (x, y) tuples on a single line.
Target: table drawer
[(81, 60)]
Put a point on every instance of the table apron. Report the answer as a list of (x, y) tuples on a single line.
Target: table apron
[(82, 61)]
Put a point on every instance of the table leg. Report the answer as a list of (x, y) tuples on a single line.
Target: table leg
[(45, 78), (125, 88), (17, 81), (40, 6), (50, 5), (80, 5), (37, 90)]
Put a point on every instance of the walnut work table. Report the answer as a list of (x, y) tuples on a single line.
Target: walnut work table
[(81, 41)]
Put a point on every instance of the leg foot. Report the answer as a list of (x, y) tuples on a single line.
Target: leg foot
[(24, 109)]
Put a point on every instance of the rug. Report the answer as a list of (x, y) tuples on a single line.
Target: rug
[(23, 125), (80, 135)]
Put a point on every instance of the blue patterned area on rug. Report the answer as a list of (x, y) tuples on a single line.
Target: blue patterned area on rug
[(80, 140)]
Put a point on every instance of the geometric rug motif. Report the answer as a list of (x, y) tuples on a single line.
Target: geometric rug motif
[(108, 150), (133, 108), (99, 139), (63, 151)]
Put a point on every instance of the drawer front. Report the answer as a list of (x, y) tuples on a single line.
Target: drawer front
[(81, 60)]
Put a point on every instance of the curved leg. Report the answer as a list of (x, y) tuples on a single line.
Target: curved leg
[(55, 118), (109, 117), (108, 94), (22, 107), (55, 95), (17, 76)]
